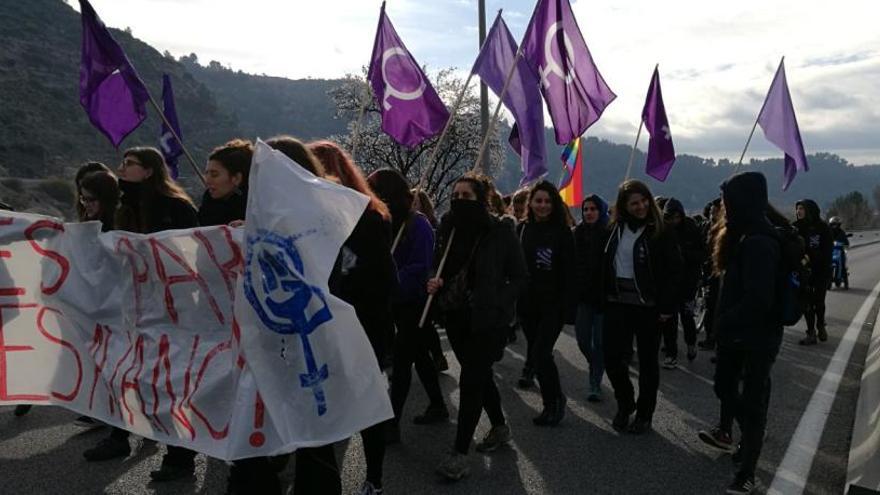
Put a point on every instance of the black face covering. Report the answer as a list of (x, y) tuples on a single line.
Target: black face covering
[(467, 213)]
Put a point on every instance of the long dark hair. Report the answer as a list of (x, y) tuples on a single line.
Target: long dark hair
[(394, 190), (423, 203), (105, 189), (87, 168), (294, 149), (159, 183), (557, 214), (339, 164), (627, 189)]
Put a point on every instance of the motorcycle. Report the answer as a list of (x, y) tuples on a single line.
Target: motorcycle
[(839, 271)]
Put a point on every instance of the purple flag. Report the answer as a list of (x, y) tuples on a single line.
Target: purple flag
[(171, 149), (110, 90), (523, 98), (575, 92), (411, 110), (780, 126), (661, 153)]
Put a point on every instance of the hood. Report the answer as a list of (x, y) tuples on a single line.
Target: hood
[(745, 200), (813, 213), (603, 208), (673, 206)]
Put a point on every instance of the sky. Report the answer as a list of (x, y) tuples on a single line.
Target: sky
[(716, 58)]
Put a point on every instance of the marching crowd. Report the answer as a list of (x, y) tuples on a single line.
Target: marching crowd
[(629, 270)]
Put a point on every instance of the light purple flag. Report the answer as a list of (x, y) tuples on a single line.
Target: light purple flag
[(110, 90), (411, 110), (575, 92), (523, 98), (780, 126), (661, 152)]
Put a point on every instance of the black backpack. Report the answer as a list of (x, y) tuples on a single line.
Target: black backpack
[(794, 290)]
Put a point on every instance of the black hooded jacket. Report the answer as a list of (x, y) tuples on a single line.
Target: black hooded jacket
[(693, 249), (748, 311), (589, 241), (818, 242)]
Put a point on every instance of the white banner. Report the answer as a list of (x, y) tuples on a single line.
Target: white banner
[(197, 337)]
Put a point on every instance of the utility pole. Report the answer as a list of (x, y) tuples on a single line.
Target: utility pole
[(484, 91)]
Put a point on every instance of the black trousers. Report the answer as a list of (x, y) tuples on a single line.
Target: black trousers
[(685, 312), (175, 456), (542, 324), (622, 323), (476, 352), (412, 346), (749, 403), (814, 314), (711, 298), (317, 471)]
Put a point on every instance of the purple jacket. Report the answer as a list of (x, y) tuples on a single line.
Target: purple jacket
[(414, 257)]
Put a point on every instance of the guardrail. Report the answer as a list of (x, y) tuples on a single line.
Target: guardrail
[(864, 237)]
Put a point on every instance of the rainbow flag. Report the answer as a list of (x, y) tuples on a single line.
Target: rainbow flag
[(571, 185)]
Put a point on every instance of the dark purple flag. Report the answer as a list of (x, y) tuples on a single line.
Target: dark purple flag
[(523, 98), (575, 92), (411, 110), (110, 90), (171, 149), (780, 126), (661, 153)]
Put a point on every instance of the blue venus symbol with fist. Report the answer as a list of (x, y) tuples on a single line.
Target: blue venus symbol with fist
[(275, 287)]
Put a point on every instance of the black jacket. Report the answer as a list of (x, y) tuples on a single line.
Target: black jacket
[(162, 212), (365, 277), (839, 235), (222, 211), (748, 314), (693, 249), (657, 263), (589, 241), (497, 270), (817, 241), (550, 258)]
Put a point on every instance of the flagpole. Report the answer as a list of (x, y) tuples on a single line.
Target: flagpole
[(632, 154), (177, 138), (476, 167), (439, 272), (755, 126), (357, 125), (491, 128)]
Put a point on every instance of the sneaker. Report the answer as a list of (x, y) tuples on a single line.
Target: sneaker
[(552, 415), (639, 426), (433, 414), (621, 419), (497, 436), (392, 432), (822, 334), (87, 422), (108, 448), (670, 363), (717, 438), (442, 365), (172, 472), (369, 489), (22, 409), (454, 467), (808, 340), (741, 486), (692, 352)]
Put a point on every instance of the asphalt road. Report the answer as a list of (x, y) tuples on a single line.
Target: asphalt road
[(42, 452)]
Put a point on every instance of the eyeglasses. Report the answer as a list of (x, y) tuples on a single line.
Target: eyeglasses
[(128, 162)]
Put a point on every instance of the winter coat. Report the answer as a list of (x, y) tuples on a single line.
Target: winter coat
[(365, 277), (163, 212), (693, 249), (414, 257), (222, 211), (748, 314), (817, 241), (550, 257)]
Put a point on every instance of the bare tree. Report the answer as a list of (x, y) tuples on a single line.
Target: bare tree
[(457, 153)]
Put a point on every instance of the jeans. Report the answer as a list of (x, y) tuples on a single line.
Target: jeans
[(476, 351), (542, 324), (622, 323), (588, 329), (670, 329), (748, 406), (412, 347)]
